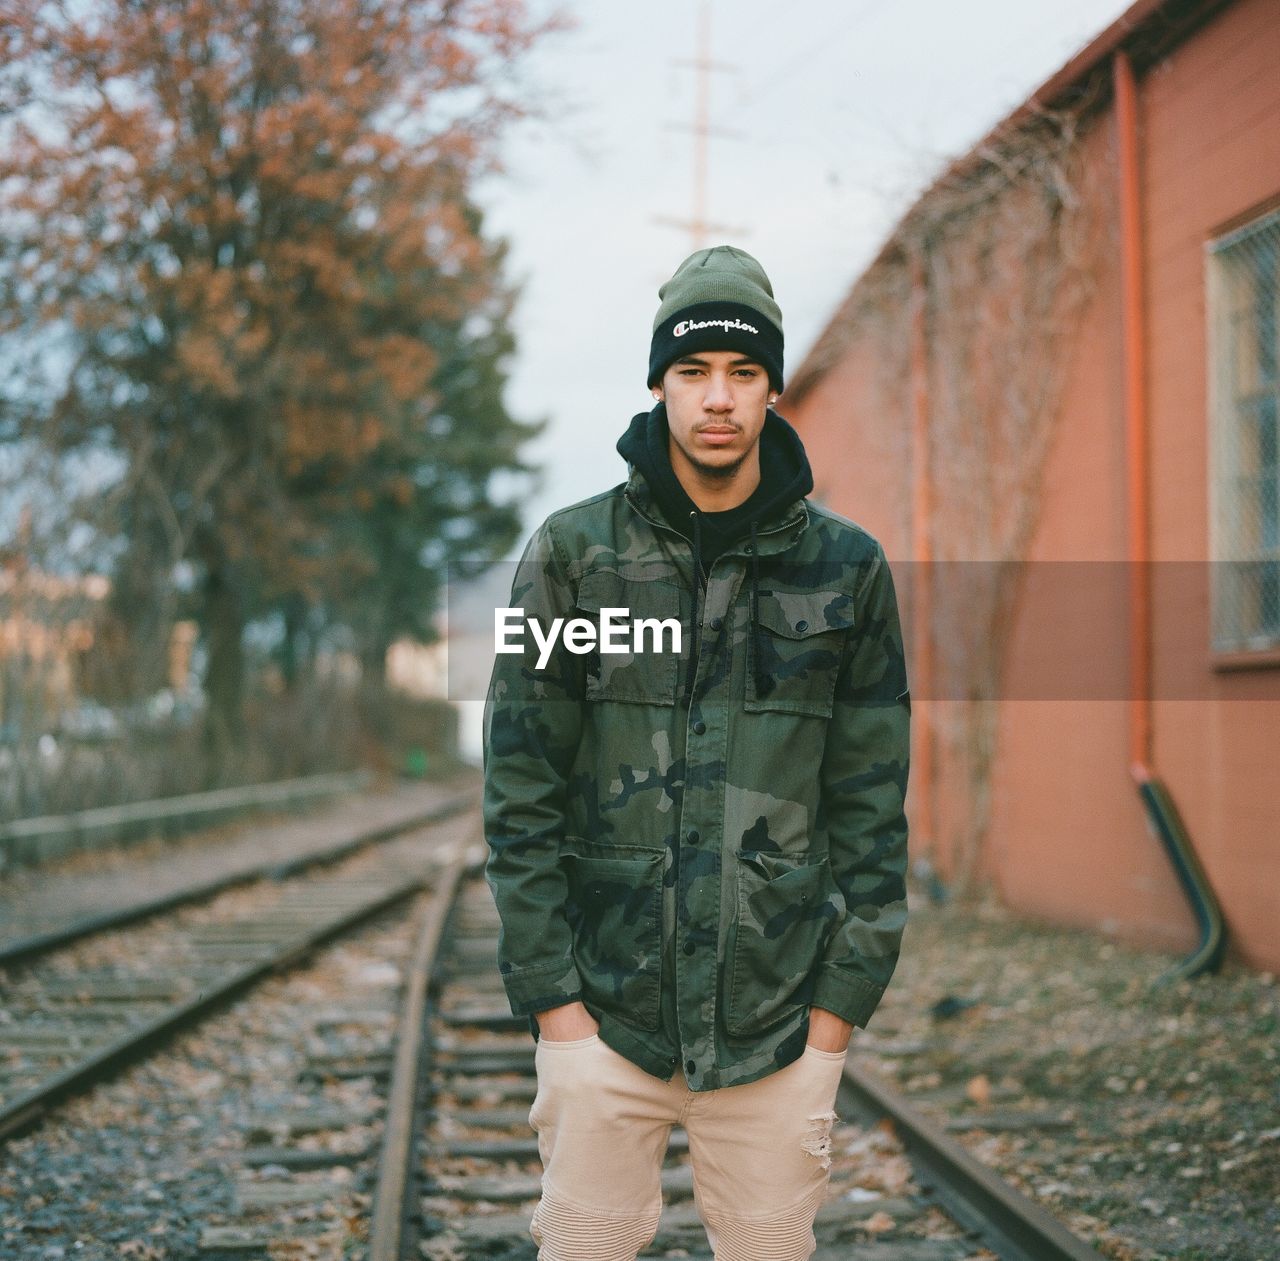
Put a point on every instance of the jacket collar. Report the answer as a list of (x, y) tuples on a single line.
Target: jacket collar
[(776, 533)]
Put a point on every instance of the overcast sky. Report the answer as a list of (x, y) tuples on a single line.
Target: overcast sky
[(843, 111)]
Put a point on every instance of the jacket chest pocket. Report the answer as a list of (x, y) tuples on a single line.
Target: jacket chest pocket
[(785, 917), (793, 659), (614, 910), (646, 619)]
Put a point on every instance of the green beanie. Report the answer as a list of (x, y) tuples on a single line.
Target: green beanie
[(718, 299)]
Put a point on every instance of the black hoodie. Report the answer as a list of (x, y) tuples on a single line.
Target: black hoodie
[(785, 476)]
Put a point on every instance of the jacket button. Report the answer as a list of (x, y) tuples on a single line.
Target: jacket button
[(690, 1067), (689, 947), (748, 549), (691, 836), (699, 728), (717, 623), (802, 625)]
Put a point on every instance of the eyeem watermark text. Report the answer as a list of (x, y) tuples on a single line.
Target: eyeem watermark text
[(580, 634)]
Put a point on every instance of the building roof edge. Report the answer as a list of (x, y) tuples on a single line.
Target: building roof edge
[(1147, 29)]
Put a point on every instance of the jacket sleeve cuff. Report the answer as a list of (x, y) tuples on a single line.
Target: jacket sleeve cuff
[(542, 986), (852, 998)]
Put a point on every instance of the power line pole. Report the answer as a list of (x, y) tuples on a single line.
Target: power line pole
[(699, 225)]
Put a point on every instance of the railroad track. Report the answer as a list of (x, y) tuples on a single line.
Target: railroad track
[(325, 842), (900, 1189), (312, 1131), (402, 1128), (69, 1017)]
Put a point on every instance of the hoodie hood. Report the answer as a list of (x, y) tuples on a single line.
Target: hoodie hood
[(785, 476)]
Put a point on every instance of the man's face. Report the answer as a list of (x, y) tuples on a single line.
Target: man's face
[(716, 402)]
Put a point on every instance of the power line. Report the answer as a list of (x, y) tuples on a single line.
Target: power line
[(805, 57)]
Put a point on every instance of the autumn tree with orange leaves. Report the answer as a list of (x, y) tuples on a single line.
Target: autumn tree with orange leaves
[(242, 268)]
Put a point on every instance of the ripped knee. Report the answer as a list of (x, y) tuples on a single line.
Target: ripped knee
[(817, 1142)]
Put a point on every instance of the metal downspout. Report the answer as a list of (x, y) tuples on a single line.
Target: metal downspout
[(1161, 811), (921, 553)]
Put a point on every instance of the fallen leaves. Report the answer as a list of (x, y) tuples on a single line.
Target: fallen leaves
[(1109, 1099), (978, 1090), (878, 1224)]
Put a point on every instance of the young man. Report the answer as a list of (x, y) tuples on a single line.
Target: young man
[(698, 856)]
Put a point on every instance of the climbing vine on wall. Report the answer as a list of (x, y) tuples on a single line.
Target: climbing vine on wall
[(1006, 253)]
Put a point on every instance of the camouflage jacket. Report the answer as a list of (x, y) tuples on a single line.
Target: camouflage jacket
[(700, 865)]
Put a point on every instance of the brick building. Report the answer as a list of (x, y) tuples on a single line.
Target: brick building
[(1054, 396)]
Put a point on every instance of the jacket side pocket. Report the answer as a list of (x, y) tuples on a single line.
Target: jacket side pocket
[(785, 916), (614, 911)]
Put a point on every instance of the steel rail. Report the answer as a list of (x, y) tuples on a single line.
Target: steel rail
[(26, 1109), (1013, 1226), (391, 1193)]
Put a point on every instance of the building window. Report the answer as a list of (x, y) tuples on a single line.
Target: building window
[(1244, 407)]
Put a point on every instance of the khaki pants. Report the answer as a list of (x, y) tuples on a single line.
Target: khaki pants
[(759, 1153)]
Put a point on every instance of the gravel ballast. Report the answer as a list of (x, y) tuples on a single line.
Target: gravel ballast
[(1145, 1116)]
